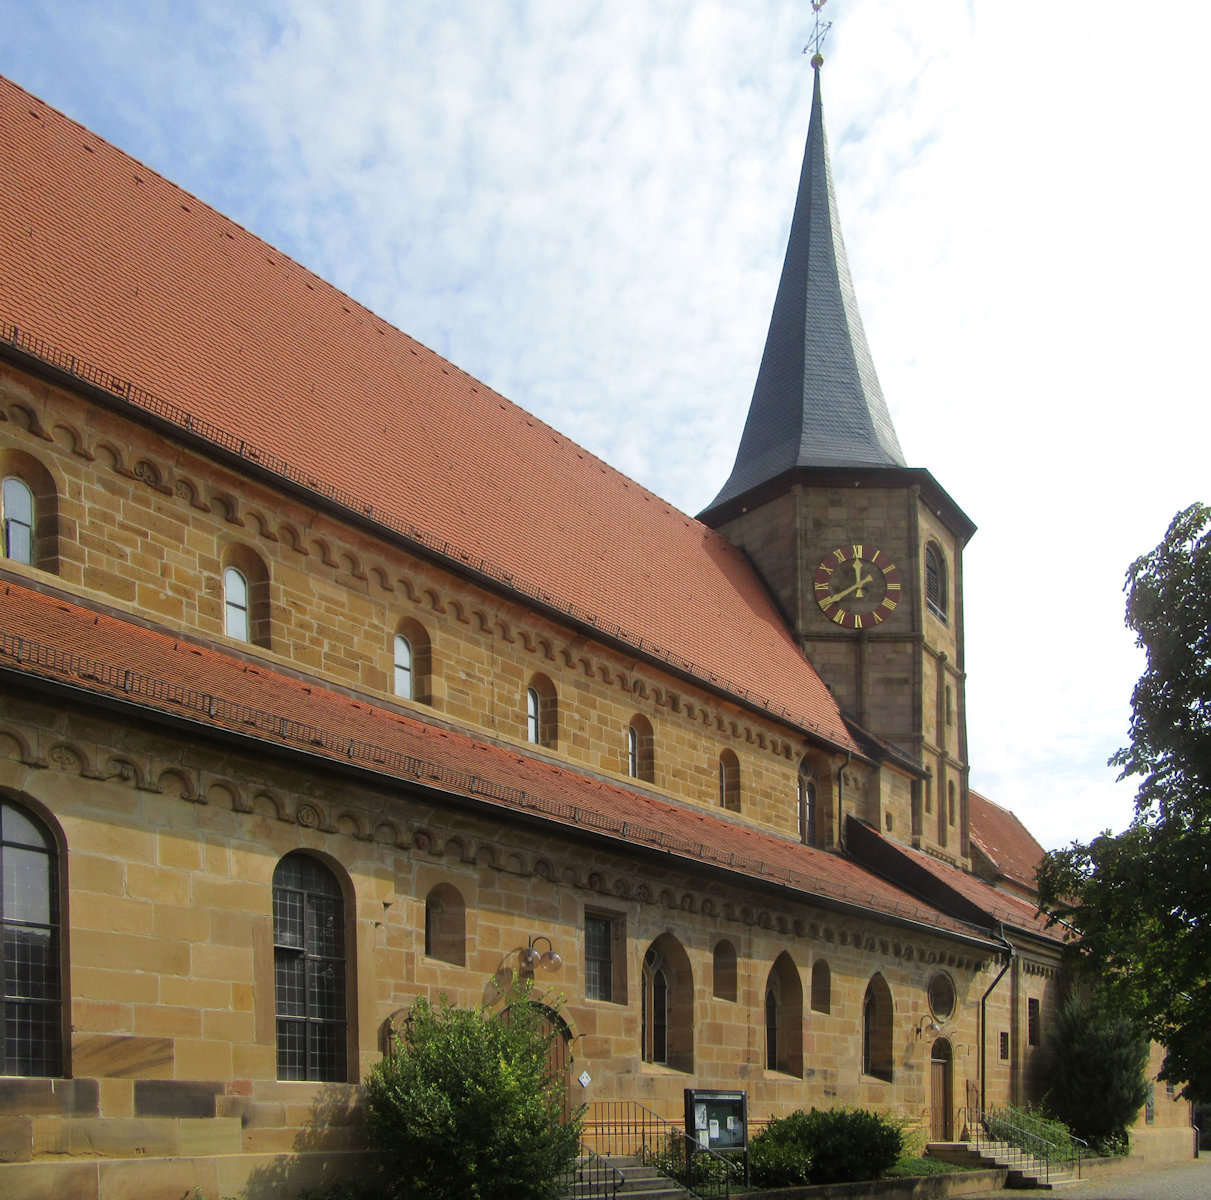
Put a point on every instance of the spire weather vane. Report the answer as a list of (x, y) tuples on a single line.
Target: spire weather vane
[(819, 33)]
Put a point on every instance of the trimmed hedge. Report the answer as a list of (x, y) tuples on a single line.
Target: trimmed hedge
[(832, 1145)]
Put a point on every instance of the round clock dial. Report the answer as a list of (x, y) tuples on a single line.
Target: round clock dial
[(857, 586)]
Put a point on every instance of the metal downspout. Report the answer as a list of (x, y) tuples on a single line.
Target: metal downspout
[(1011, 953)]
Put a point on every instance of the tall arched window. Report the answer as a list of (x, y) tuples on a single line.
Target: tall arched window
[(30, 971), (309, 970), (235, 605), (784, 1017), (640, 764), (876, 1029), (729, 781), (17, 513), (654, 1010), (808, 834), (771, 1030), (936, 589), (666, 1007)]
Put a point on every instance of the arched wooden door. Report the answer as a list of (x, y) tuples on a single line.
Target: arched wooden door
[(559, 1051), (941, 1092)]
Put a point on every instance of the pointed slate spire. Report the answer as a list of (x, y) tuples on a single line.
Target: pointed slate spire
[(817, 402)]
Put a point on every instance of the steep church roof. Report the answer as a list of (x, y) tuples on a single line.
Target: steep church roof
[(817, 401), (118, 275)]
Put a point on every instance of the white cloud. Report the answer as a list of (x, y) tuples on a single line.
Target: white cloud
[(586, 205)]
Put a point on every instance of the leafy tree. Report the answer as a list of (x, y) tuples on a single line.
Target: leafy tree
[(468, 1109), (1140, 902), (1096, 1063)]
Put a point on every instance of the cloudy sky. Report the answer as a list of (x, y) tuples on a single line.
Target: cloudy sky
[(586, 206)]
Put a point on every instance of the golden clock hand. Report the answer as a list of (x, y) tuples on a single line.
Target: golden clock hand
[(859, 582), (833, 597)]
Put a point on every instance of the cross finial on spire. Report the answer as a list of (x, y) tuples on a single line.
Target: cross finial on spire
[(819, 33)]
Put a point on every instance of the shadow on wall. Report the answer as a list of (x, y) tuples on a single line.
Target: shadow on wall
[(328, 1149)]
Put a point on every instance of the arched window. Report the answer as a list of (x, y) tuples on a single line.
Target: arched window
[(30, 967), (446, 925), (784, 1017), (245, 596), (17, 512), (876, 1029), (950, 803), (723, 974), (412, 662), (403, 667), (542, 712), (936, 588), (309, 970), (822, 987), (771, 1030), (666, 1007), (654, 1011), (808, 834), (729, 781), (640, 764), (235, 605), (29, 511)]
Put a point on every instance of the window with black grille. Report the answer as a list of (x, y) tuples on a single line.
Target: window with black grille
[(30, 976), (309, 970)]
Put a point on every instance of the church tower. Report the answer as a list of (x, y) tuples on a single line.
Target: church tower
[(863, 552)]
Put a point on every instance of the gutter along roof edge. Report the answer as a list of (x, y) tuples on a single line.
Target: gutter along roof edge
[(105, 685)]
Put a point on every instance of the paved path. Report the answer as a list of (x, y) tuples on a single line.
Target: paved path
[(1182, 1181)]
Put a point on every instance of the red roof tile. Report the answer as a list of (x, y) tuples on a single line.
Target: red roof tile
[(1005, 841), (53, 639), (1009, 909), (107, 261)]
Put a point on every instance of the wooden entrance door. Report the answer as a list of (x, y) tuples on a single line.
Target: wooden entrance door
[(559, 1051), (941, 1092)]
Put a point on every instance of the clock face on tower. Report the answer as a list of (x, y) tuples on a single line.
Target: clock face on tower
[(857, 586)]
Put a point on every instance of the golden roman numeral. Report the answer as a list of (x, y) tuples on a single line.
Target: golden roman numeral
[(857, 552)]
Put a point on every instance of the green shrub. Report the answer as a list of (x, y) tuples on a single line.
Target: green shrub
[(467, 1108), (834, 1145)]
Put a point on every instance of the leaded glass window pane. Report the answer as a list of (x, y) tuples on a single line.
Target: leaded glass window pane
[(309, 970), (30, 1001)]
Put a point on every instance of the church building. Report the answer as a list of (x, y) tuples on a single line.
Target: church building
[(331, 679)]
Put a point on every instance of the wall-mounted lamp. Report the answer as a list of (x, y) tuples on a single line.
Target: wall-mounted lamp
[(528, 957), (927, 1025)]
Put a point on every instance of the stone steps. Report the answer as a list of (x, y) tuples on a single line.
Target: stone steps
[(1025, 1171), (639, 1182)]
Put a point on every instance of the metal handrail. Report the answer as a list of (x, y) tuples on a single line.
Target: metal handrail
[(627, 1128), (1018, 1148), (591, 1177)]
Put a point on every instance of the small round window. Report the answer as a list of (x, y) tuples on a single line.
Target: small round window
[(942, 997)]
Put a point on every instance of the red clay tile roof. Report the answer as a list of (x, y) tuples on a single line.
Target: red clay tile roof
[(107, 261), (1006, 908), (1005, 841), (51, 638)]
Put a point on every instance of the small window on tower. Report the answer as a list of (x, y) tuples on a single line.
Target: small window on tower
[(936, 591)]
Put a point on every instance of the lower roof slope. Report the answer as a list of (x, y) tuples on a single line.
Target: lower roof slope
[(107, 261), (1009, 847), (104, 659)]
